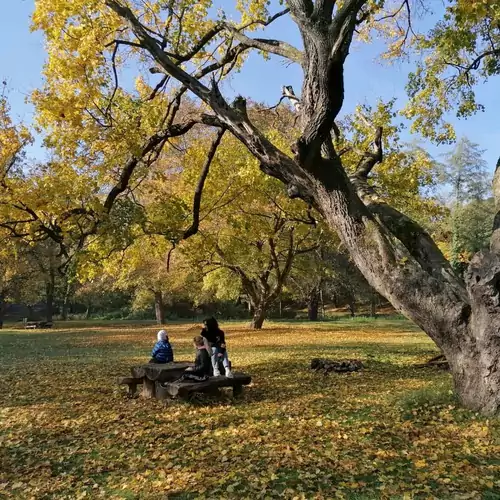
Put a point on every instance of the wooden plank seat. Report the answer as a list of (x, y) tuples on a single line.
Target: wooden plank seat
[(132, 383), (186, 389)]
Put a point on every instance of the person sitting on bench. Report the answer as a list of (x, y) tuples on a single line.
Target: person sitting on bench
[(215, 343), (162, 351), (202, 364)]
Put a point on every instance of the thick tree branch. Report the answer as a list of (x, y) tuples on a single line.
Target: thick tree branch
[(324, 9), (271, 158), (276, 47), (370, 159), (301, 8), (153, 142), (193, 229)]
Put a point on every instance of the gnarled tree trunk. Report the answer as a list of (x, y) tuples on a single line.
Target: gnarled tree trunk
[(259, 315)]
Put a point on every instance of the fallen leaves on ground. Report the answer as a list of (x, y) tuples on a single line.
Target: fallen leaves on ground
[(391, 431)]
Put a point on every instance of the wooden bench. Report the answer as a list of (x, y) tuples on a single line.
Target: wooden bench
[(34, 325), (132, 383), (186, 389)]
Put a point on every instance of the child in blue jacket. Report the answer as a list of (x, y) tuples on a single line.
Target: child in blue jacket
[(162, 351)]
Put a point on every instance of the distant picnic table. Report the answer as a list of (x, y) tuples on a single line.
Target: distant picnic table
[(162, 381)]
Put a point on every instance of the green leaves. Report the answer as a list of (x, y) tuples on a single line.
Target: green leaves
[(457, 54)]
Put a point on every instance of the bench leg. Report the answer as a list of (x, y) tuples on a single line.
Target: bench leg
[(237, 390), (132, 389), (148, 388)]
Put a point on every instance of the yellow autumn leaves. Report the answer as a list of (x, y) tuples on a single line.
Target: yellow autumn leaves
[(295, 434)]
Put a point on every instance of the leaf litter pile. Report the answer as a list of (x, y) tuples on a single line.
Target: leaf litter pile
[(389, 431)]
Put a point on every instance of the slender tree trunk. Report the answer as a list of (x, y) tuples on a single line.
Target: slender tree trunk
[(30, 312), (159, 308), (49, 297), (352, 306), (313, 305), (322, 304), (259, 315), (65, 306), (88, 312)]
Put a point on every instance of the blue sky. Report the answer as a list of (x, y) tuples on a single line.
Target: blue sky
[(22, 56)]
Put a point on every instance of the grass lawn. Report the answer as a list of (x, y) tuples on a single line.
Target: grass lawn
[(391, 431)]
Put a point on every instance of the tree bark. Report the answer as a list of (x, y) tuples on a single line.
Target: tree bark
[(159, 308), (259, 316), (313, 305)]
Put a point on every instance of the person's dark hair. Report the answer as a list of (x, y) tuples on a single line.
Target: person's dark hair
[(211, 324), (198, 340)]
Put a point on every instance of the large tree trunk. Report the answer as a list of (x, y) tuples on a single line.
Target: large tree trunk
[(159, 308), (475, 361), (313, 305), (464, 323), (259, 315)]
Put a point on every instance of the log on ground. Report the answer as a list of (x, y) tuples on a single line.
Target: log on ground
[(337, 366)]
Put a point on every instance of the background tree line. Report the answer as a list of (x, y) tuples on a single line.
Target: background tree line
[(256, 252)]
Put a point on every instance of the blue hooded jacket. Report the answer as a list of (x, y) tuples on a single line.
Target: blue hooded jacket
[(162, 351)]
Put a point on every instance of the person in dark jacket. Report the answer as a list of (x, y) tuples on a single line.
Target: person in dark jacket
[(215, 343), (202, 368), (162, 351)]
